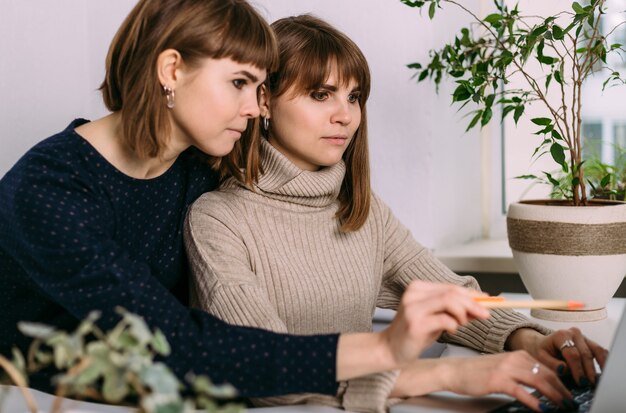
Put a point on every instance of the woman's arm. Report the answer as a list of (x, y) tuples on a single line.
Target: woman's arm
[(406, 260), (482, 375), (82, 267)]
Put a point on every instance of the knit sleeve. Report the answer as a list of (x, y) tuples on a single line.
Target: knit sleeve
[(78, 264), (406, 260), (224, 284)]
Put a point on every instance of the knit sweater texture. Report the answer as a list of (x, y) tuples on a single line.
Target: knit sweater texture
[(275, 258)]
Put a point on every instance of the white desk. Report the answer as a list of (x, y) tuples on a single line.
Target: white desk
[(601, 331)]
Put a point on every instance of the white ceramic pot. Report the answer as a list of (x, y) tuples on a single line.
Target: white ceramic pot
[(569, 253)]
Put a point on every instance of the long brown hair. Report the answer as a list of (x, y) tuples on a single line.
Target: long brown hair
[(308, 47), (197, 29)]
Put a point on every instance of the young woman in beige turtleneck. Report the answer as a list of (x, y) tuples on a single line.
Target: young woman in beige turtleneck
[(309, 249)]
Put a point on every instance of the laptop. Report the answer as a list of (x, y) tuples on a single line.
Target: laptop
[(608, 396)]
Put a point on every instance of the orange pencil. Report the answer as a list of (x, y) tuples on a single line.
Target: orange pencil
[(489, 299), (493, 302)]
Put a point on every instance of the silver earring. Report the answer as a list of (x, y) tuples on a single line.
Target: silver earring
[(169, 96), (265, 123)]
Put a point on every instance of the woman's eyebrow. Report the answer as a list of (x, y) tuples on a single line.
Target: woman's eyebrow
[(329, 87), (247, 74), (333, 88)]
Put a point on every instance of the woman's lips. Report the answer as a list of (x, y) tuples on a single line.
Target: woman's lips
[(335, 140)]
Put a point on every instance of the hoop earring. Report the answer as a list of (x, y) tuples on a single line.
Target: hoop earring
[(265, 123), (169, 96)]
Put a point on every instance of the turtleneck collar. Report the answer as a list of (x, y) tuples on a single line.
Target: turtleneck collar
[(283, 180)]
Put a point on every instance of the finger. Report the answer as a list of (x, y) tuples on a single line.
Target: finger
[(420, 290), (574, 362), (426, 288), (440, 323), (547, 383), (458, 305), (446, 302), (598, 352), (553, 388), (586, 357), (429, 316), (520, 393), (551, 362), (529, 372)]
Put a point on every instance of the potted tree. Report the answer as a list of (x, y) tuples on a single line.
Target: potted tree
[(573, 248)]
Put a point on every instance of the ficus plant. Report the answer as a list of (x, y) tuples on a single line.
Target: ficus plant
[(116, 367), (569, 47)]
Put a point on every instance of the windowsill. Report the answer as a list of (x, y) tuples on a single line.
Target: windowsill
[(479, 256)]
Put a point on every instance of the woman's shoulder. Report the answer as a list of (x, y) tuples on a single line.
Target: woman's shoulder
[(58, 154), (59, 146), (222, 202), (378, 206)]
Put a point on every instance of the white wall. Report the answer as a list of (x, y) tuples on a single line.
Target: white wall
[(423, 165)]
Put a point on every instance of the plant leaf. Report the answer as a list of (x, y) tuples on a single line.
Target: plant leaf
[(557, 153), (578, 9), (541, 121), (486, 117), (432, 9), (494, 18), (518, 113), (475, 120), (556, 135), (557, 32), (35, 330)]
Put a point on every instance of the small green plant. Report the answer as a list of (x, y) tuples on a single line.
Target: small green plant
[(116, 367), (606, 181), (569, 47)]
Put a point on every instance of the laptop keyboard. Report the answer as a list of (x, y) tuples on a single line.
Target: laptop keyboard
[(583, 396)]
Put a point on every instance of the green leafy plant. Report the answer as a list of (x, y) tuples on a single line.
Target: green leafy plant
[(569, 47), (116, 367), (606, 181)]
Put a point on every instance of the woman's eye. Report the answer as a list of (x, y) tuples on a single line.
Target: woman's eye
[(239, 83), (319, 95), (354, 97)]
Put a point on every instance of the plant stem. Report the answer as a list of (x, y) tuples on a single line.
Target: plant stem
[(18, 379)]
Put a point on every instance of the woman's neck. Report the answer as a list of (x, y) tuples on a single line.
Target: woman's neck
[(104, 135)]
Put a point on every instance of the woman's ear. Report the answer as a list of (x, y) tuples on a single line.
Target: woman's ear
[(264, 101), (169, 62)]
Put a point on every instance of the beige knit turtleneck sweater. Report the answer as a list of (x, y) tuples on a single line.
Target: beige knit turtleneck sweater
[(276, 259)]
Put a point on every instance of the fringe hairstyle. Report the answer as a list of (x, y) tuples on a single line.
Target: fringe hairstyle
[(197, 29), (308, 49)]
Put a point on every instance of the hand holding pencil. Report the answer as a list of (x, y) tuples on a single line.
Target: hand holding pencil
[(501, 302)]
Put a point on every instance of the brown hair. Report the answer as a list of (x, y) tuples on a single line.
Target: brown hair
[(197, 29), (308, 48)]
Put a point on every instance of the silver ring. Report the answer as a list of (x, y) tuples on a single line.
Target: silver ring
[(567, 343), (535, 369)]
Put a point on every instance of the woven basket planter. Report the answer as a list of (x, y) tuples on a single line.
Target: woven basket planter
[(569, 253)]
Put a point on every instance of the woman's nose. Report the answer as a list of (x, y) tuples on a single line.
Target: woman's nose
[(250, 107), (342, 114)]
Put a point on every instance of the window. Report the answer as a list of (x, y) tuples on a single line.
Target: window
[(592, 139)]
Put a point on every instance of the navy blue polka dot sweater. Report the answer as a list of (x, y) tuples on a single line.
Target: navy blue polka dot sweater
[(76, 235)]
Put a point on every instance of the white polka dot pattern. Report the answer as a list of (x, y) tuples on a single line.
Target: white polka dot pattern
[(76, 235)]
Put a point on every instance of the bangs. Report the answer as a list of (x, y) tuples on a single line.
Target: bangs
[(247, 40), (308, 57)]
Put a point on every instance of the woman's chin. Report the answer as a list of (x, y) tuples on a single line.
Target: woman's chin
[(218, 151)]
